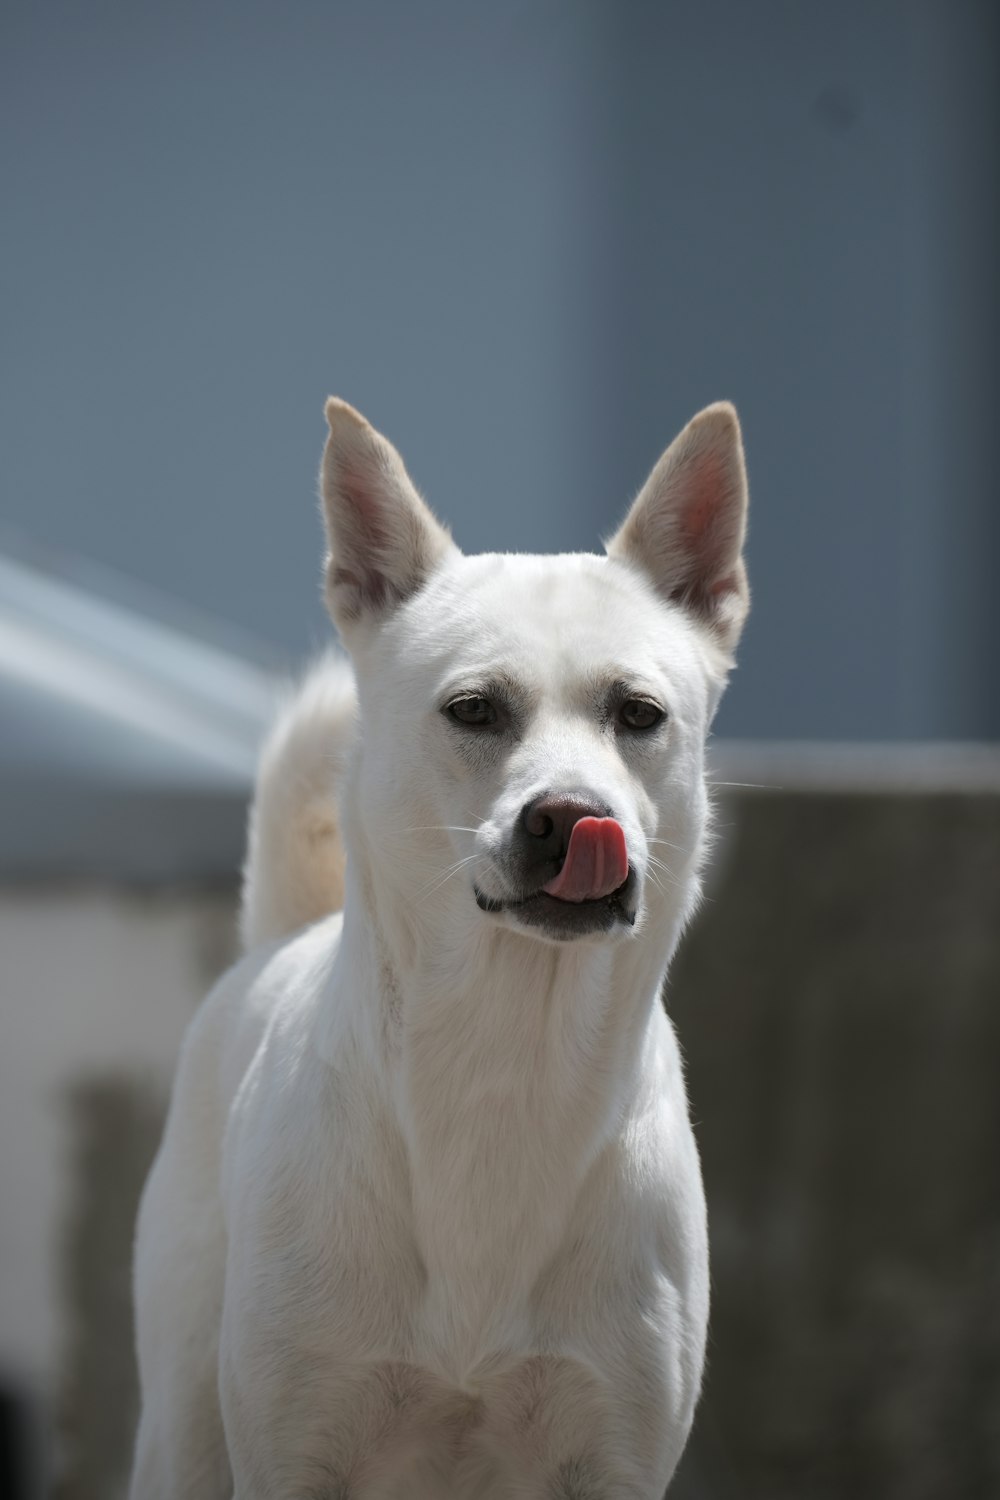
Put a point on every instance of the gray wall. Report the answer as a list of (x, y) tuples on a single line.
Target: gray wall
[(841, 1039), (528, 240)]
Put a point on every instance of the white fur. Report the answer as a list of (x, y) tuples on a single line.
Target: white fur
[(427, 1220), (294, 870)]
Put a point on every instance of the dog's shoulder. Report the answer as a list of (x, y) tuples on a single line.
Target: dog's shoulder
[(270, 985)]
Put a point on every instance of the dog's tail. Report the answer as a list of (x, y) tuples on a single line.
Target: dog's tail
[(294, 870)]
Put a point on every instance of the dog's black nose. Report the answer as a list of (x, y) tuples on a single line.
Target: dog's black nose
[(550, 819)]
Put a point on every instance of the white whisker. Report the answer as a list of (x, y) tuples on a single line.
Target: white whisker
[(658, 864), (443, 879), (668, 845), (440, 828), (754, 786)]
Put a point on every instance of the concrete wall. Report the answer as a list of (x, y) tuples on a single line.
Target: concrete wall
[(96, 987), (838, 1004)]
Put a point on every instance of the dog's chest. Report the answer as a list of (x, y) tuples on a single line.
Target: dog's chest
[(430, 1277), (463, 1380), (501, 1129)]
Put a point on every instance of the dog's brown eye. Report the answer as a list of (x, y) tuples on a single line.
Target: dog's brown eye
[(472, 711), (640, 713)]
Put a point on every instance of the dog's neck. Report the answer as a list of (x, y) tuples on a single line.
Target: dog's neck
[(508, 1062)]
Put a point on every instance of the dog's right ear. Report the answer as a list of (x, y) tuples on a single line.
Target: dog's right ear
[(383, 541)]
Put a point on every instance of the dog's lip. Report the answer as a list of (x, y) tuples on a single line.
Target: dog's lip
[(541, 898)]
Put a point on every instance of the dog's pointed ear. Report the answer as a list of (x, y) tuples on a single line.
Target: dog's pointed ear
[(383, 541), (686, 529)]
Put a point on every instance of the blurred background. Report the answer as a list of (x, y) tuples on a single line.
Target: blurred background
[(528, 240)]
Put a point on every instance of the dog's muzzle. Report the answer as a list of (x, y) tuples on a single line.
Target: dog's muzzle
[(574, 874)]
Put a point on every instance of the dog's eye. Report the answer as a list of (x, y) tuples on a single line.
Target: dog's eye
[(640, 713), (472, 711)]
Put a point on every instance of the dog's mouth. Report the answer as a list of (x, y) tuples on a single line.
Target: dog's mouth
[(591, 886), (559, 918)]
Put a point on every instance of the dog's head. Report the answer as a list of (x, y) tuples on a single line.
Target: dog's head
[(533, 727)]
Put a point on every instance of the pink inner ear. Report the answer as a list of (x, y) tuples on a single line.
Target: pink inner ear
[(360, 488), (706, 489), (707, 525), (360, 536)]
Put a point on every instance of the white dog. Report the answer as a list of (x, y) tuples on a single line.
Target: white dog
[(427, 1220)]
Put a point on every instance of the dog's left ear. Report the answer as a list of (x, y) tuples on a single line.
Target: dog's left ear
[(686, 529), (384, 542)]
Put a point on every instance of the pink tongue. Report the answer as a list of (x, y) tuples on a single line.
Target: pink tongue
[(596, 862)]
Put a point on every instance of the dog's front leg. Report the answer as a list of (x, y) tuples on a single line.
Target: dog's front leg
[(180, 1451), (557, 1427), (285, 1423)]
